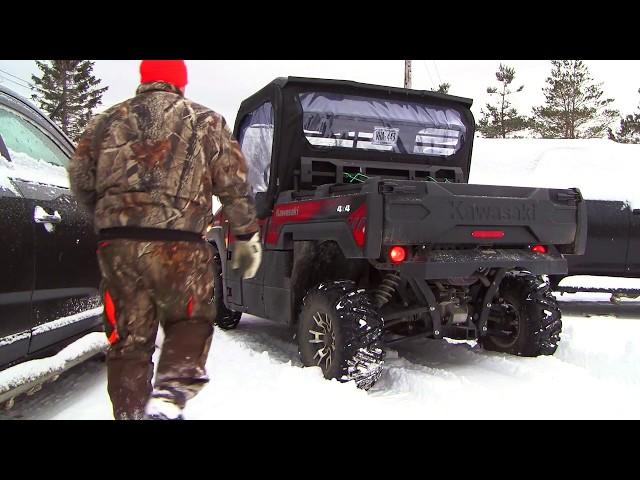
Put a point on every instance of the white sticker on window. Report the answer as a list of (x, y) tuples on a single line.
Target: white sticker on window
[(385, 136)]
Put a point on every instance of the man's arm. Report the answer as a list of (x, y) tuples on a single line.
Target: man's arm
[(82, 168)]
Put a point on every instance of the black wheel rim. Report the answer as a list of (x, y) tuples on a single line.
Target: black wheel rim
[(322, 338), (504, 325)]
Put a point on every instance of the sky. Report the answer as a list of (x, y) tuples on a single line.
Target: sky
[(222, 84)]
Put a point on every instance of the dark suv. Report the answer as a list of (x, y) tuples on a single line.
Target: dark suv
[(50, 277)]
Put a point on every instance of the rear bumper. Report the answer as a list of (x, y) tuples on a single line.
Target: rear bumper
[(463, 263)]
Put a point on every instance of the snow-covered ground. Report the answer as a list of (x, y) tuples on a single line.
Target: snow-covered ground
[(256, 374)]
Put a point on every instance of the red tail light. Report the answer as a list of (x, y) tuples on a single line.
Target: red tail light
[(539, 249), (487, 234), (397, 254)]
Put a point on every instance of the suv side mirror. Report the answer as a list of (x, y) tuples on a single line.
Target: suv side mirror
[(263, 205)]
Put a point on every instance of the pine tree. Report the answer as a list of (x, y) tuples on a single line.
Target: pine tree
[(443, 87), (575, 105), (501, 118), (629, 131), (67, 90)]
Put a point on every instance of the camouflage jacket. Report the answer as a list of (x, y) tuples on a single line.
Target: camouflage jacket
[(155, 161)]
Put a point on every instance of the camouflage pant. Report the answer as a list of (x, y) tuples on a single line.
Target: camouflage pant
[(144, 284)]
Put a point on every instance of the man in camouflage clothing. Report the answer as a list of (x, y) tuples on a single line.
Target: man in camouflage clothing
[(147, 169)]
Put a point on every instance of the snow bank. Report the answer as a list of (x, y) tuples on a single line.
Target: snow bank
[(582, 297), (608, 349), (602, 169), (600, 282)]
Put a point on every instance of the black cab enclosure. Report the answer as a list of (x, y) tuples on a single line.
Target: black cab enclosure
[(307, 139)]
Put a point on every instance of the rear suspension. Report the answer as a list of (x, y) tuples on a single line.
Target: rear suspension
[(386, 289)]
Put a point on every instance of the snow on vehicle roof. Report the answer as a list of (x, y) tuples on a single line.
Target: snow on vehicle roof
[(601, 169)]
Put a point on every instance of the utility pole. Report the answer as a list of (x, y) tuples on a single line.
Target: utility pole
[(407, 74)]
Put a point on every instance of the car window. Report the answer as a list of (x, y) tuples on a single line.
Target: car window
[(34, 157), (25, 139), (256, 142)]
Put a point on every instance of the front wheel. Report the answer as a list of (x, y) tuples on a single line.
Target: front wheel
[(525, 320), (340, 330), (224, 318)]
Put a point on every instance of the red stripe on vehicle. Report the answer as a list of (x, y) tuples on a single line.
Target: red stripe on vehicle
[(291, 213), (333, 208)]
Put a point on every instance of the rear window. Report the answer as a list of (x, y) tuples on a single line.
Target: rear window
[(333, 120)]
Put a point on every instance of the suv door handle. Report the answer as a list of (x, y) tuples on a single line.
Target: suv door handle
[(40, 215)]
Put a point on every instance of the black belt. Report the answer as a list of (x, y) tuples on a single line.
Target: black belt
[(149, 234)]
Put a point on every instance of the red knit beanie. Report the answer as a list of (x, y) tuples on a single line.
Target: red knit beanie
[(170, 71)]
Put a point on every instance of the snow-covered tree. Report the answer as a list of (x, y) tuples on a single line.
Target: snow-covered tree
[(629, 130), (500, 118), (575, 106), (68, 91), (443, 87)]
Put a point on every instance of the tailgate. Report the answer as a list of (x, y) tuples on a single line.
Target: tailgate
[(445, 214)]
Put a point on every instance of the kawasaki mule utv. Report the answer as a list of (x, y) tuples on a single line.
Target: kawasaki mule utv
[(372, 236)]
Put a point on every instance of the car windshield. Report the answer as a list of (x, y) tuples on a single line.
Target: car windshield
[(333, 120)]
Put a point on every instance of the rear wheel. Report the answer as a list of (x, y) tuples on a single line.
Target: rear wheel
[(525, 319), (224, 318), (340, 330)]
